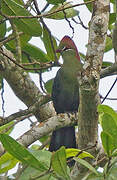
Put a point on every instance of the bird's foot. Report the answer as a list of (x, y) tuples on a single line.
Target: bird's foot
[(72, 114)]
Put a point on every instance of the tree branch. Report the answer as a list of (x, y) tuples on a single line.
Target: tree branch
[(109, 71), (43, 65), (36, 132), (47, 14), (24, 88), (30, 111), (89, 81)]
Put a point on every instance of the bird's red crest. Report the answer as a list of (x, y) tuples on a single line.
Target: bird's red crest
[(69, 43)]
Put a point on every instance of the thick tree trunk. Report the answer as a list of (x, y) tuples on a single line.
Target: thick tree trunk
[(89, 81)]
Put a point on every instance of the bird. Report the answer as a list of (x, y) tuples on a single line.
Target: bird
[(65, 93)]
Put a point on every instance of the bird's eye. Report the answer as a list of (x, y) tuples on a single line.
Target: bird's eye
[(65, 48)]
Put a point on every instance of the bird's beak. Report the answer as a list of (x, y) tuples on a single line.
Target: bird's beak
[(61, 49), (58, 50)]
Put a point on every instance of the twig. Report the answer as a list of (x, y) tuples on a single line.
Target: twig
[(46, 6), (41, 175), (109, 90), (47, 14), (111, 99), (81, 22), (30, 111), (28, 3), (21, 66), (20, 171), (17, 43), (9, 38), (111, 70), (49, 32), (80, 152), (72, 28), (2, 96), (41, 82), (17, 120)]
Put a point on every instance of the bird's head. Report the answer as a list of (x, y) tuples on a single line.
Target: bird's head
[(67, 43)]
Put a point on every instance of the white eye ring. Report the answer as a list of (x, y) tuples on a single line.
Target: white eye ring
[(65, 49)]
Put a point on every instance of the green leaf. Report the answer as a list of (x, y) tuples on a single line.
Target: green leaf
[(43, 139), (20, 152), (112, 173), (108, 46), (4, 127), (55, 2), (35, 53), (2, 28), (20, 2), (112, 1), (7, 162), (44, 157), (106, 64), (69, 13), (71, 152), (86, 164), (24, 38), (29, 26), (109, 125), (114, 153), (59, 164), (89, 6), (48, 85), (30, 172), (93, 176), (48, 45), (107, 142), (106, 109), (112, 18)]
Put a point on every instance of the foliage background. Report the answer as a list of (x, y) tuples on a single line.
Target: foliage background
[(81, 39)]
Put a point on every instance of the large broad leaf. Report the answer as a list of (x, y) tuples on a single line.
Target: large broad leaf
[(108, 110), (35, 53), (106, 64), (109, 125), (107, 142), (30, 172), (108, 46), (93, 176), (71, 152), (112, 1), (48, 85), (89, 5), (105, 109), (20, 152), (55, 1), (48, 44), (7, 126), (19, 2), (24, 38), (28, 26), (112, 173), (68, 13), (112, 18), (59, 164), (108, 119), (7, 162), (44, 157), (86, 164)]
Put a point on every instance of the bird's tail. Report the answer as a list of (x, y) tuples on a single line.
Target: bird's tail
[(63, 137)]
